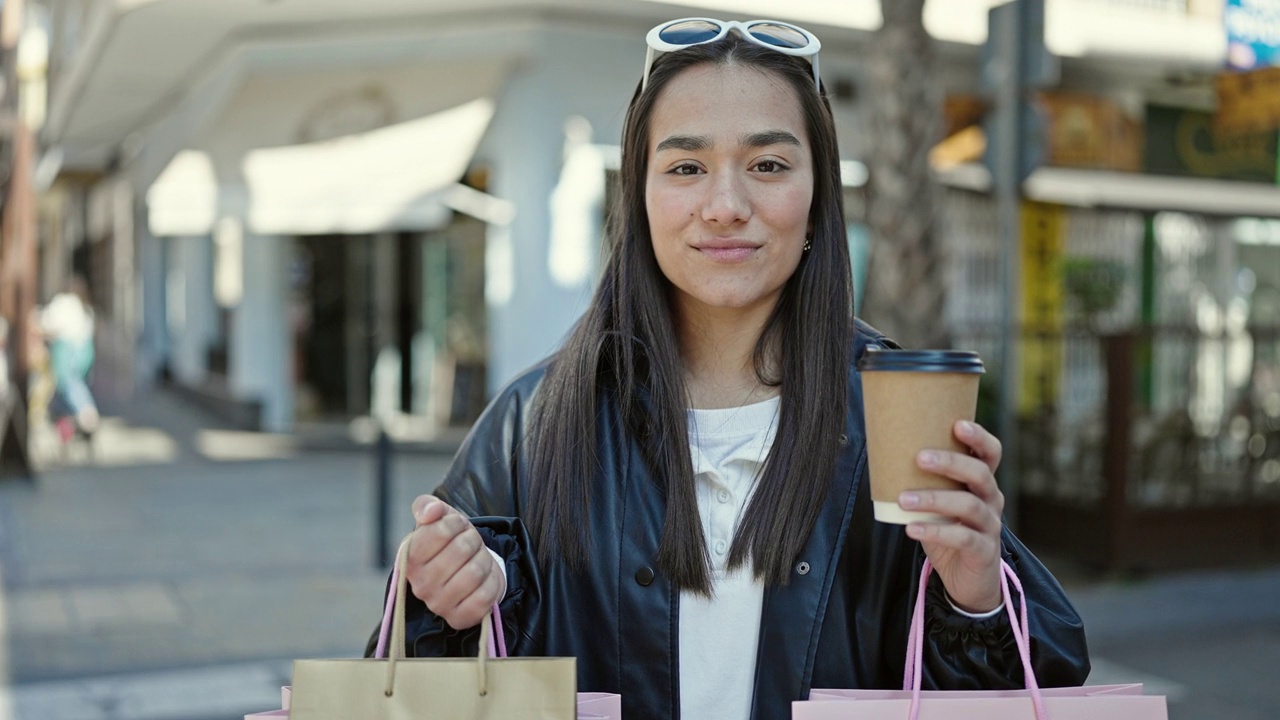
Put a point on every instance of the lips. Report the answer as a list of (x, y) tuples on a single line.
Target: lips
[(727, 249)]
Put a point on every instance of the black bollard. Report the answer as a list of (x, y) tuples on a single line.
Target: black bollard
[(382, 500)]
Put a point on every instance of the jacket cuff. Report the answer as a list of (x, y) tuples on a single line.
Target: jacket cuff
[(502, 564), (943, 616)]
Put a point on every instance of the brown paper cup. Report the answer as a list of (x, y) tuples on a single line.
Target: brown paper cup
[(911, 401)]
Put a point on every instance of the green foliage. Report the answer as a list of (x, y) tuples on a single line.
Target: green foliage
[(988, 410), (1093, 285)]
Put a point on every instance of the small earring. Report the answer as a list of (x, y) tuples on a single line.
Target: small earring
[(808, 244)]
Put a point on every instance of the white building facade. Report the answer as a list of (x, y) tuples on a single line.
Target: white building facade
[(295, 206)]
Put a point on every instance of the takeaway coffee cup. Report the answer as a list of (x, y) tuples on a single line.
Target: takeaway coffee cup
[(912, 399)]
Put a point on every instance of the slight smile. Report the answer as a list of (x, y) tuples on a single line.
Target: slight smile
[(726, 250)]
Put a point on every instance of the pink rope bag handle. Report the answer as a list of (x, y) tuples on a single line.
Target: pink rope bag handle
[(384, 634), (912, 672)]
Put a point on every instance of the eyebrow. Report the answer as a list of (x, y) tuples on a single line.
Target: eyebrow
[(769, 137), (695, 143), (687, 143)]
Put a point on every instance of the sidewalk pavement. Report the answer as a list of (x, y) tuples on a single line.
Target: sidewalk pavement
[(6, 695), (180, 561), (178, 571)]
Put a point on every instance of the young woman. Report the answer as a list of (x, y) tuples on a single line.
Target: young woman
[(678, 497)]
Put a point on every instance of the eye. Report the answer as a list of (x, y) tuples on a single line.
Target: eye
[(685, 170), (770, 167)]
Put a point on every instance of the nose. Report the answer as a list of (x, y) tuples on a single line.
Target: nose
[(726, 203)]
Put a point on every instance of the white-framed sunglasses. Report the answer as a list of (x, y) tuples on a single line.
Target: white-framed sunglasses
[(775, 35)]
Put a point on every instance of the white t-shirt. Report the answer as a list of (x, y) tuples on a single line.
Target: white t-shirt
[(67, 318), (719, 636)]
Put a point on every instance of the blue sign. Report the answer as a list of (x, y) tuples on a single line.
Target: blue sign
[(1253, 33)]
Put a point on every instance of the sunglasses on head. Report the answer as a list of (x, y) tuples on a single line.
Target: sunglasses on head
[(778, 36)]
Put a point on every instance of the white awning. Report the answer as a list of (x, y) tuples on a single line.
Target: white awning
[(399, 177), (183, 201), (386, 179), (1101, 188)]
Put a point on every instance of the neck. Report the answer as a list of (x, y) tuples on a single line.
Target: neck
[(717, 347)]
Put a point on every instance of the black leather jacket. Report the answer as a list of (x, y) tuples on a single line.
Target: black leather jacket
[(841, 622)]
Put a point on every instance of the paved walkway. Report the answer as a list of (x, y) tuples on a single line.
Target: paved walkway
[(6, 699), (177, 572), (176, 544)]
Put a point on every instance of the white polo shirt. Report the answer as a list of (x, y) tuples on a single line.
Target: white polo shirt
[(719, 635)]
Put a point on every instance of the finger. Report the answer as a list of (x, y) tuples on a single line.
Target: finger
[(467, 579), (479, 603), (973, 472), (983, 444), (955, 536), (964, 507), (428, 541), (454, 557), (428, 509)]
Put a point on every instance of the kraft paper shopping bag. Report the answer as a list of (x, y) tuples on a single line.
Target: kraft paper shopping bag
[(1104, 702), (399, 688)]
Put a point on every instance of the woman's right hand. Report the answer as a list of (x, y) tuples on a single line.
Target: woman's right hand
[(450, 569)]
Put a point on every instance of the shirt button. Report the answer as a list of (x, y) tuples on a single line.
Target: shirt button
[(843, 439), (802, 568), (721, 546), (723, 496), (644, 576)]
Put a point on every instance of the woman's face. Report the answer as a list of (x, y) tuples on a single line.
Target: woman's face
[(729, 185)]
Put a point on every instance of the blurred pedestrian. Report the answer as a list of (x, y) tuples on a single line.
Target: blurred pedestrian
[(678, 497), (68, 326)]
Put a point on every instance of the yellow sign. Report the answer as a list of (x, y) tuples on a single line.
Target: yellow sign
[(1088, 131), (1248, 102), (1043, 236)]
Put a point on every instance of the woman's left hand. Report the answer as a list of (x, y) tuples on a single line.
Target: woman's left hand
[(965, 552)]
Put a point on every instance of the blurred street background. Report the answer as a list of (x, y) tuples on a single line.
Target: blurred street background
[(262, 262)]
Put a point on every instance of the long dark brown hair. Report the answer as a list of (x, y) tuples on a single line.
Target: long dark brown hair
[(625, 346)]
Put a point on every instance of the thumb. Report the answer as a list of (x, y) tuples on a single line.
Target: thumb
[(428, 509)]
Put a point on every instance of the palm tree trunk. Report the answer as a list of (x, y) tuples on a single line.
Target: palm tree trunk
[(906, 277)]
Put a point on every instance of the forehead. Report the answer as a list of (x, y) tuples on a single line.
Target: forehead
[(725, 101)]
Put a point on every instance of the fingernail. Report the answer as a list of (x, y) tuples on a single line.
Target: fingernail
[(915, 530), (966, 428), (929, 458), (908, 500)]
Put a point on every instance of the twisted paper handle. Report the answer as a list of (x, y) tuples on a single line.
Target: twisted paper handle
[(391, 635)]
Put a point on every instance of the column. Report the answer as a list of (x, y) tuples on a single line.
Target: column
[(259, 349), (192, 311), (531, 308), (153, 344)]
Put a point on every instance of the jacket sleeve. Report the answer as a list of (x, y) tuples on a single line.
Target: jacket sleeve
[(962, 653), (483, 484)]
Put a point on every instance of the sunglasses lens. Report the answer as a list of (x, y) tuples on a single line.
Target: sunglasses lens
[(779, 36), (690, 32)]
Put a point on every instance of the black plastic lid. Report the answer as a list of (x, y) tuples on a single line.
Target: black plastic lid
[(952, 361)]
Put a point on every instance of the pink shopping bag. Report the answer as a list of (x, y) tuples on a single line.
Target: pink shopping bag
[(599, 706), (1102, 702)]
